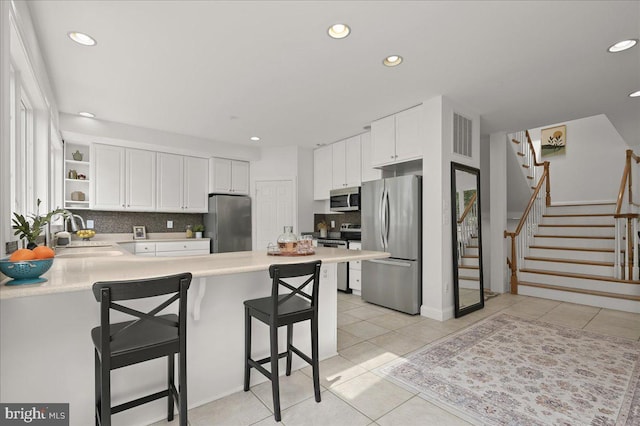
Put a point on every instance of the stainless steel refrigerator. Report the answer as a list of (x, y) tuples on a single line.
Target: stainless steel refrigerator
[(228, 223), (392, 222)]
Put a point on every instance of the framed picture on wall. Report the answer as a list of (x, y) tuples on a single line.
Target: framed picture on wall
[(139, 233), (553, 140)]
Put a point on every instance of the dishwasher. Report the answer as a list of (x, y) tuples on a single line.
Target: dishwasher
[(343, 278)]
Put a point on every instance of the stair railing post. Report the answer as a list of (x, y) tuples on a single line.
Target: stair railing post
[(616, 250), (629, 249), (636, 269), (548, 186), (513, 263)]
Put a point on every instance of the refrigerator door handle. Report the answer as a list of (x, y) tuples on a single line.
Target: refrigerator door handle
[(391, 262), (381, 220), (386, 219)]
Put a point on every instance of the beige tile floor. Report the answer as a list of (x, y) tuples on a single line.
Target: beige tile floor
[(370, 336)]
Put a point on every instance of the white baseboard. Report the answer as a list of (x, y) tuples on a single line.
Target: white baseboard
[(436, 314)]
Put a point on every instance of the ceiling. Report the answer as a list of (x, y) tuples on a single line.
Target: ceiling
[(229, 70)]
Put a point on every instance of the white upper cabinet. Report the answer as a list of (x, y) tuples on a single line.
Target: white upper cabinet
[(182, 183), (140, 179), (196, 183), (322, 172), (228, 176), (108, 177), (368, 172), (170, 182), (346, 163), (397, 138), (124, 179)]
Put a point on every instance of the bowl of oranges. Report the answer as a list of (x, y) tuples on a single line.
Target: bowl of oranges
[(26, 266)]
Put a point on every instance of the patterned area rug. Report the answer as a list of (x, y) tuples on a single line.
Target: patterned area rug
[(507, 370)]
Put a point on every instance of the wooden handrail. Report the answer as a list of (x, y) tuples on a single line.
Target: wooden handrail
[(532, 200), (533, 151), (513, 264), (467, 209), (626, 180)]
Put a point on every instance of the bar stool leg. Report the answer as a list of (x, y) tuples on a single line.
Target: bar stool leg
[(247, 348), (289, 344), (275, 377), (315, 358), (170, 379), (183, 387), (105, 393), (97, 384)]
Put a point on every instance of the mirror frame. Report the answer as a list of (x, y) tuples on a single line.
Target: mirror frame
[(454, 240)]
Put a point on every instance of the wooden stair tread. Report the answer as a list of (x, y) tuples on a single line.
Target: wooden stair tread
[(576, 275), (577, 261), (517, 142), (520, 154), (469, 267), (582, 204), (604, 250), (574, 236), (474, 256), (526, 166), (577, 226), (578, 290), (469, 278), (578, 215)]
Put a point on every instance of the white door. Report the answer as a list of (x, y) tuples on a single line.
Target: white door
[(275, 209)]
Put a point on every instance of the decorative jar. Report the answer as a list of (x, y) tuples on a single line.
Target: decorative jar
[(288, 241)]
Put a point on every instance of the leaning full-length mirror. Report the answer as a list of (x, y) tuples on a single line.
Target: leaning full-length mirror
[(468, 288)]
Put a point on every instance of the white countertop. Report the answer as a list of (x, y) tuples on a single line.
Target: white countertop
[(79, 273)]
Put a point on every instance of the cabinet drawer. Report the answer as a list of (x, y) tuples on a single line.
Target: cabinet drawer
[(182, 245), (181, 253), (356, 264), (145, 248)]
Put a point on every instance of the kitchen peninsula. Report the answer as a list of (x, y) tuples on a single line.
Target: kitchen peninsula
[(46, 351)]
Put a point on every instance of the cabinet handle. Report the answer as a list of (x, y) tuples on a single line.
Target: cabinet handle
[(392, 156), (123, 205)]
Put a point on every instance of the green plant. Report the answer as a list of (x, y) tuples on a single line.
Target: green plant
[(198, 228), (30, 228)]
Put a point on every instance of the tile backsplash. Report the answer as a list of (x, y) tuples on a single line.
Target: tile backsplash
[(339, 218), (107, 222)]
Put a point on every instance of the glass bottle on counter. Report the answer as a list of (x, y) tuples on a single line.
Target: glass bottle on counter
[(288, 241), (189, 231)]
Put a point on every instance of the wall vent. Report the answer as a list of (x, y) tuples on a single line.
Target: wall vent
[(462, 135)]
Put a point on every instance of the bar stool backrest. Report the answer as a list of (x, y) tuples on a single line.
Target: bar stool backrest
[(108, 292), (279, 272)]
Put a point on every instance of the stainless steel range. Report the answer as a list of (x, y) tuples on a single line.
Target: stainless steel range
[(348, 232)]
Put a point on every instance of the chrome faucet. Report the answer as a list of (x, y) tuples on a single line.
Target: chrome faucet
[(70, 218)]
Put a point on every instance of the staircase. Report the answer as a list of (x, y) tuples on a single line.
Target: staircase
[(571, 258)]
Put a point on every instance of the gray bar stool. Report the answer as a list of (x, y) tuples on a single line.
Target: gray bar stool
[(148, 337), (295, 305)]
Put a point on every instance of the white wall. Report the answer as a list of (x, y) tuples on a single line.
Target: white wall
[(81, 129), (5, 205), (437, 263), (592, 167)]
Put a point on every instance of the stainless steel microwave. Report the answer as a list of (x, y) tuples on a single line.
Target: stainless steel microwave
[(345, 199)]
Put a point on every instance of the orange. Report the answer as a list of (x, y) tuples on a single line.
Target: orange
[(22, 254), (43, 252)]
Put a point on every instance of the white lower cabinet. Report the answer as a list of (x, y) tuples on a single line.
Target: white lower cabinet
[(172, 248), (355, 270)]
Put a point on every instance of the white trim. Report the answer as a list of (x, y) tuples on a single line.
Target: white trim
[(436, 314)]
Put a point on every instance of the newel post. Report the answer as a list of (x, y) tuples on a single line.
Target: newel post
[(628, 166), (548, 184), (513, 264)]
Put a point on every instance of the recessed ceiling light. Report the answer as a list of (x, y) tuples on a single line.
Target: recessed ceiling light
[(634, 94), (623, 45), (339, 30), (254, 138), (82, 38), (87, 114), (392, 60)]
